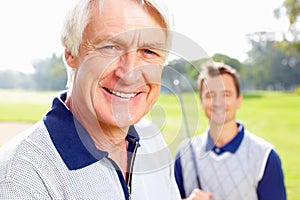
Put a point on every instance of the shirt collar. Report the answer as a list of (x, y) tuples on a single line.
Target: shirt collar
[(231, 146), (71, 140)]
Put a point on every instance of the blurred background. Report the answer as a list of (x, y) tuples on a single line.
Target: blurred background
[(260, 39)]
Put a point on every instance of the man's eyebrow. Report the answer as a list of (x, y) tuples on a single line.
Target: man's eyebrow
[(103, 38), (227, 91), (209, 92), (155, 45), (116, 39)]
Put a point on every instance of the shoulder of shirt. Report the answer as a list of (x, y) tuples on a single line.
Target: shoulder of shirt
[(146, 127), (195, 141), (18, 141), (148, 131), (19, 147), (257, 140)]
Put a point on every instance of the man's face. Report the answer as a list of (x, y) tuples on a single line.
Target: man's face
[(219, 99), (119, 64)]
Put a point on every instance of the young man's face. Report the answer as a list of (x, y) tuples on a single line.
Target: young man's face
[(219, 99), (119, 64)]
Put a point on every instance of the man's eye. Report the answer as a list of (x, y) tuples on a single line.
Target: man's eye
[(147, 51), (109, 50), (152, 53), (227, 94), (110, 47), (209, 95), (105, 48)]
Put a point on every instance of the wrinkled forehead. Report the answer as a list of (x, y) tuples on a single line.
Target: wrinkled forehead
[(155, 38), (135, 24)]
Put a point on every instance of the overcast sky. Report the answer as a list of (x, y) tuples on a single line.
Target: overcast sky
[(30, 29)]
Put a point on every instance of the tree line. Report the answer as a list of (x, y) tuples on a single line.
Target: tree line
[(269, 66), (49, 74)]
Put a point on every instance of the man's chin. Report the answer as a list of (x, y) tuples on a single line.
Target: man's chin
[(218, 121), (126, 122)]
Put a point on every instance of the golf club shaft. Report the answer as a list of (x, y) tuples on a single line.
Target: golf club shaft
[(188, 133)]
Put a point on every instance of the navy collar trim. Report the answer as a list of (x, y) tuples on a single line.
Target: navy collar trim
[(231, 146), (71, 140)]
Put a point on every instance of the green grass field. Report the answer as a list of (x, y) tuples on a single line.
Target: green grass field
[(27, 106), (273, 116)]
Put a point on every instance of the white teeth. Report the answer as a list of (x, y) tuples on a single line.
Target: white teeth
[(123, 95), (219, 111)]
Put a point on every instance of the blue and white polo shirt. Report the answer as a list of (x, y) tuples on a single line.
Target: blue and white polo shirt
[(57, 159)]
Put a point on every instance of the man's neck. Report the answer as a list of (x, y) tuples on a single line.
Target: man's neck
[(104, 136), (223, 133), (107, 138)]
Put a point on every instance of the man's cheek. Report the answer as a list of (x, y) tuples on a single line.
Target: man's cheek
[(152, 73)]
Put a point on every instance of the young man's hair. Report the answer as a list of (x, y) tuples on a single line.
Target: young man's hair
[(213, 69)]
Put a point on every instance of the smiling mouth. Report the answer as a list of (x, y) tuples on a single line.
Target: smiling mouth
[(121, 94)]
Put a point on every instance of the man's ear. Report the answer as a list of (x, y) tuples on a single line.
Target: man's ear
[(239, 102), (70, 59)]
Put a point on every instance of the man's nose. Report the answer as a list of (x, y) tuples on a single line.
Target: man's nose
[(219, 100), (128, 69)]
